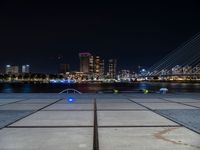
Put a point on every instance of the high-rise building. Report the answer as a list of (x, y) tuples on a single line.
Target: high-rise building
[(85, 63), (25, 68), (102, 69), (112, 66), (91, 64), (97, 65), (12, 69), (63, 68)]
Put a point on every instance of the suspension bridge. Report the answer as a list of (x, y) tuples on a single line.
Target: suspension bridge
[(181, 64)]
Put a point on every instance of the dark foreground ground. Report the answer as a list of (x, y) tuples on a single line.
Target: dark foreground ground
[(100, 121)]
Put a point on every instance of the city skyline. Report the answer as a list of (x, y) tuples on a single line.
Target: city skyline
[(45, 35)]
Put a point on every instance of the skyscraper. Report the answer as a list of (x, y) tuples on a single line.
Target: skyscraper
[(97, 65), (112, 66), (85, 62), (92, 65), (25, 68), (63, 68), (12, 69), (102, 68)]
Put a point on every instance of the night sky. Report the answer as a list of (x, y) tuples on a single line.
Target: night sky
[(44, 34)]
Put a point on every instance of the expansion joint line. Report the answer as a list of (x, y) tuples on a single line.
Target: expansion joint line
[(35, 111), (95, 132)]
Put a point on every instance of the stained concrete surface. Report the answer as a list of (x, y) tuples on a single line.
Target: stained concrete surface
[(148, 139), (121, 124)]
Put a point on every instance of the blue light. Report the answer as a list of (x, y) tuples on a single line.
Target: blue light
[(53, 81), (143, 70), (63, 81), (70, 99), (68, 81)]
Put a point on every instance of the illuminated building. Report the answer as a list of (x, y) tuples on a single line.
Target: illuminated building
[(102, 69), (98, 70), (85, 62), (124, 74), (12, 69), (91, 64), (25, 68), (97, 65), (112, 66), (63, 68)]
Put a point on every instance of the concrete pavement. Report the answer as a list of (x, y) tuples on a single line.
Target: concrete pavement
[(100, 121)]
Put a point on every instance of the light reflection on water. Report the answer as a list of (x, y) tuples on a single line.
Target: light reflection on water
[(27, 88), (7, 88), (56, 88)]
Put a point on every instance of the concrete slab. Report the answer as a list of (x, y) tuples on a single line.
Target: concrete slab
[(58, 118), (10, 100), (148, 139), (16, 106), (6, 101), (189, 117), (193, 104), (113, 101), (109, 96), (9, 116), (118, 106), (37, 101), (70, 107), (155, 106), (131, 118), (46, 139), (148, 100), (182, 99), (77, 101)]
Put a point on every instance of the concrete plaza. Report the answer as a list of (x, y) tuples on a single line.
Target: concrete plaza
[(100, 121)]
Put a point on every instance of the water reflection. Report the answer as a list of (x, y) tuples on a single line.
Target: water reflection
[(7, 88), (27, 88), (143, 86), (93, 88)]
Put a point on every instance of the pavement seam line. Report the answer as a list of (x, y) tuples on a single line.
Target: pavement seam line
[(182, 103), (95, 134), (29, 114), (166, 117), (15, 102)]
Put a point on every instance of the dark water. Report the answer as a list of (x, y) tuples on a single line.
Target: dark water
[(107, 87)]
